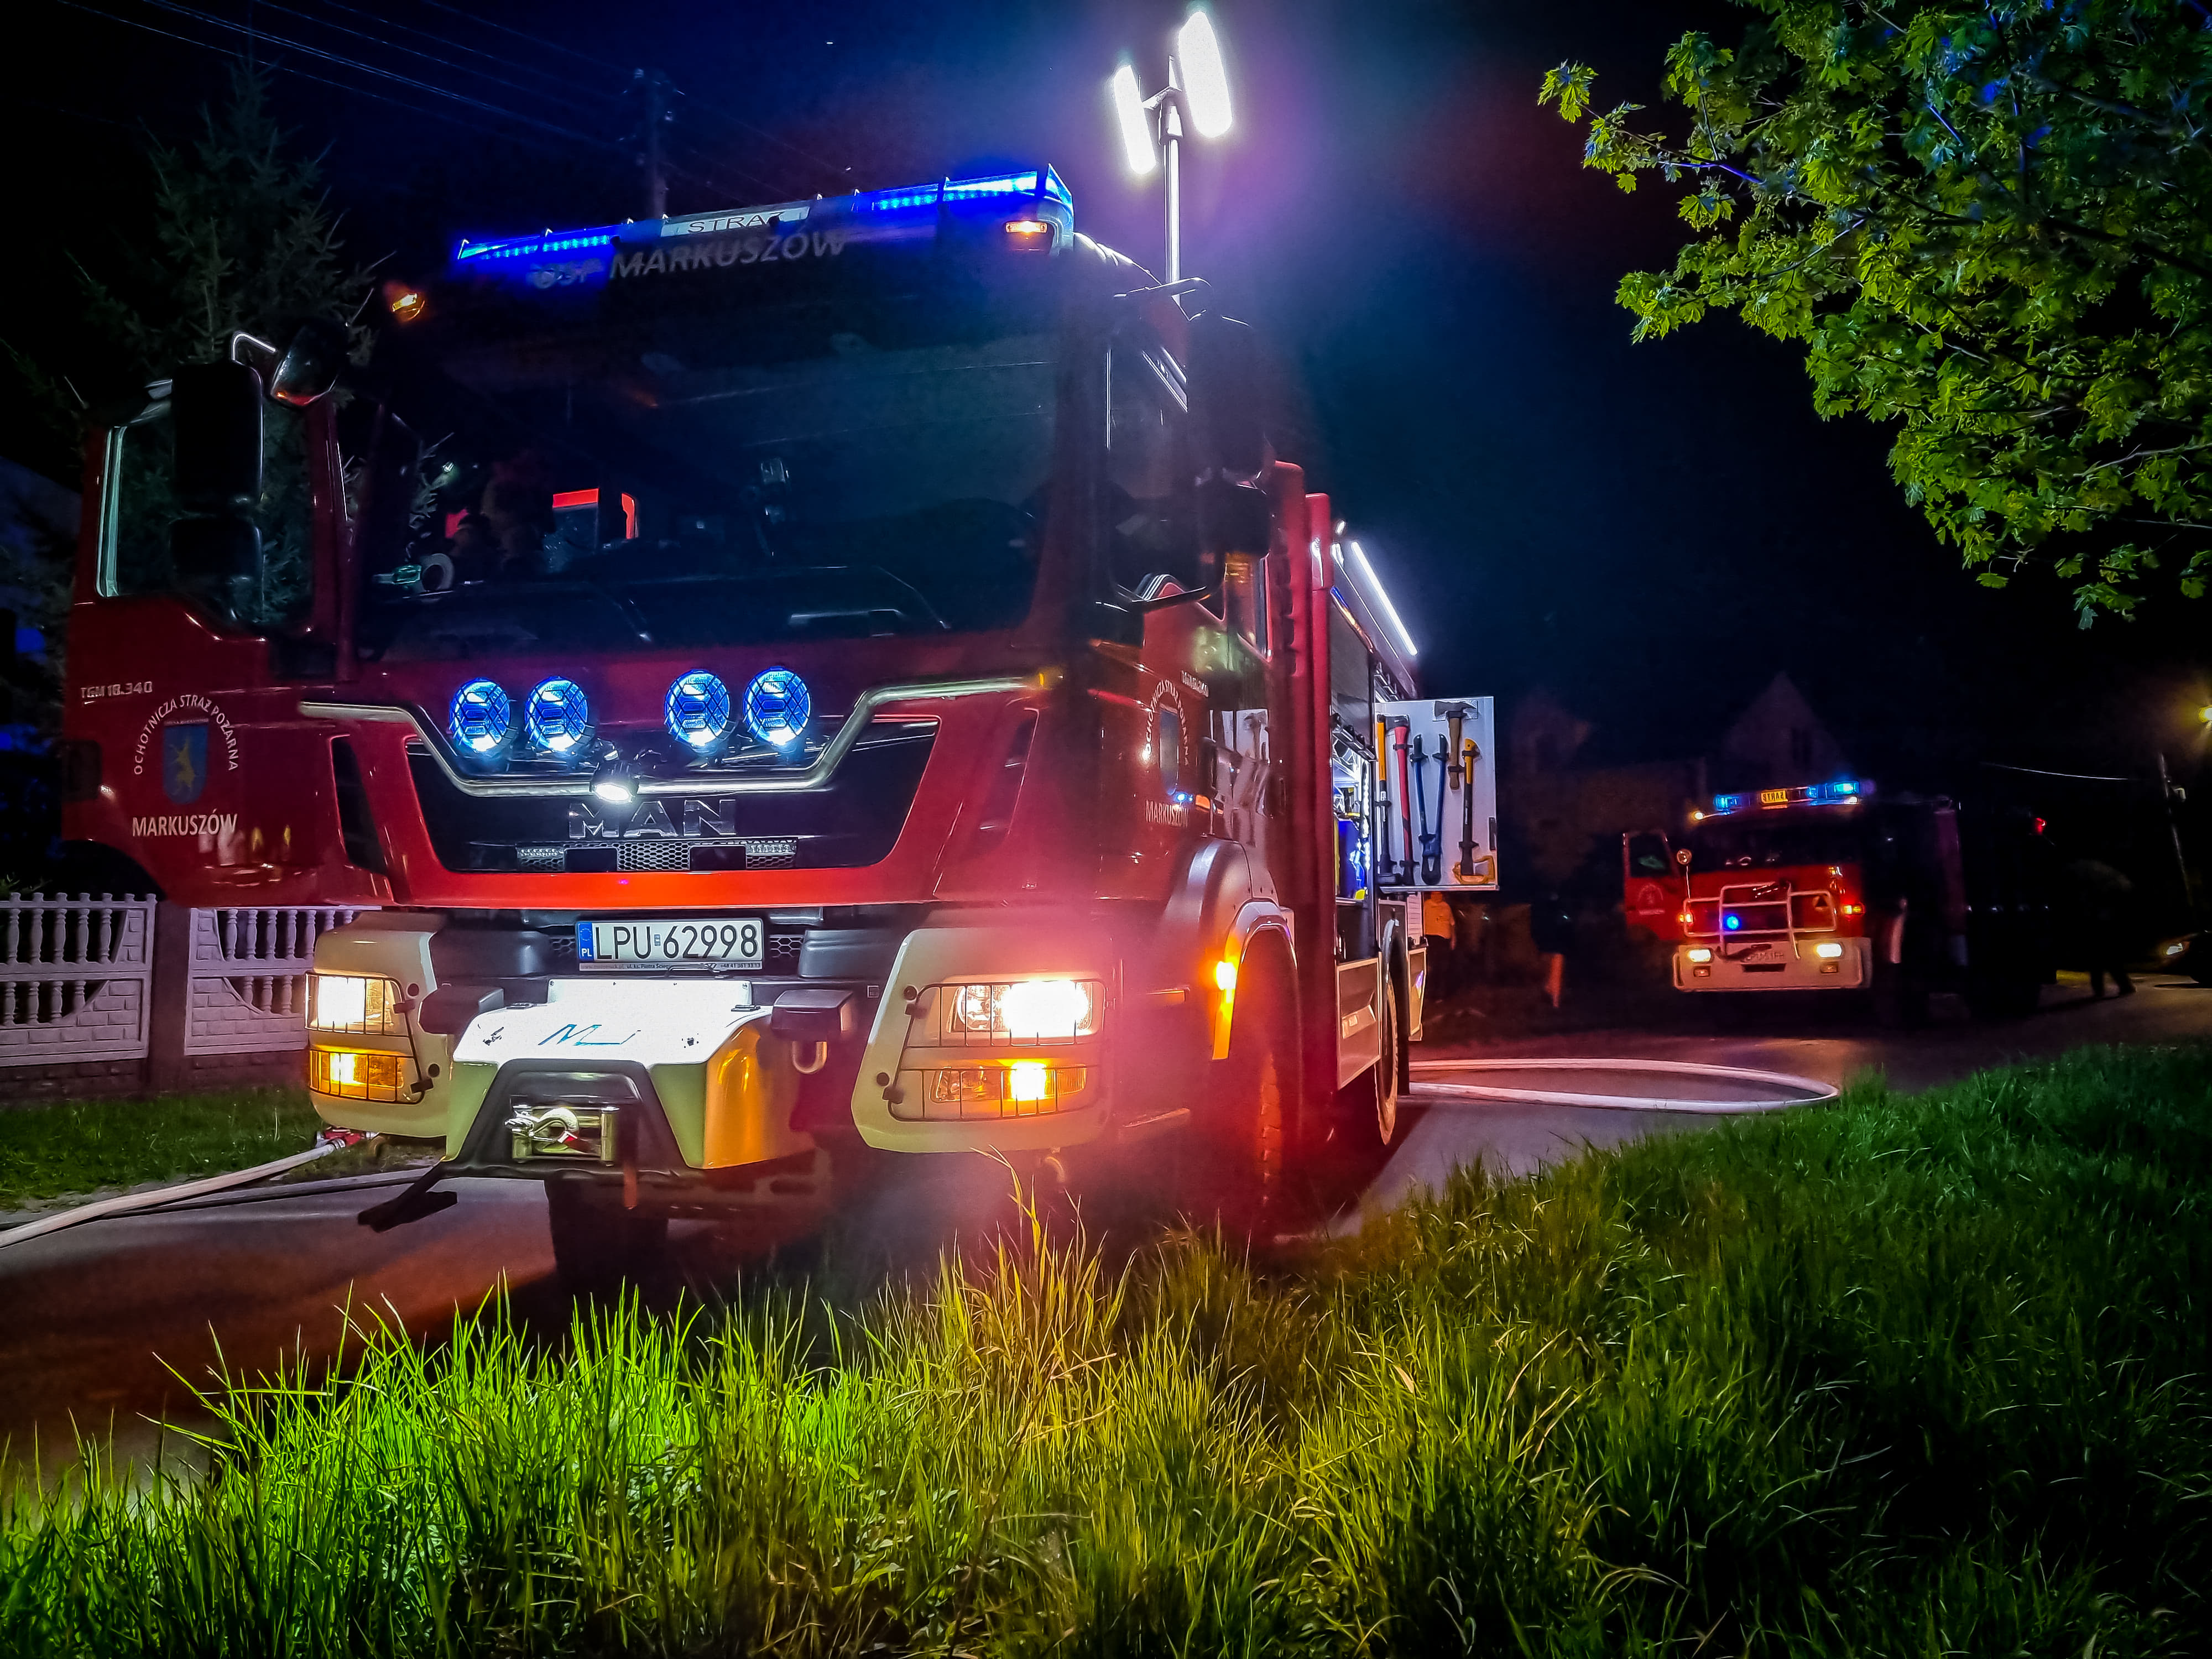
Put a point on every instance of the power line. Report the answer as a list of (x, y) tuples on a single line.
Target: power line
[(393, 45), (486, 22), (287, 69), (253, 33), (839, 173), (476, 52)]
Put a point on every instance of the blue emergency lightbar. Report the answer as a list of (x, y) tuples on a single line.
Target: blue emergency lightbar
[(1038, 190), (1841, 792)]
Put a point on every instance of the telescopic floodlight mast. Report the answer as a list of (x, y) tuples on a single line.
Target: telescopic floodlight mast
[(1202, 105)]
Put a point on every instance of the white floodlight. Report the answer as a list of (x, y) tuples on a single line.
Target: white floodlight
[(1136, 126), (1390, 610), (1206, 83)]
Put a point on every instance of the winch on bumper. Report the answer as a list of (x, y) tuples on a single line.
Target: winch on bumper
[(652, 1080)]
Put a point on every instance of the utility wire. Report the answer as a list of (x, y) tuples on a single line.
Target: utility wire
[(287, 69), (535, 40), (253, 34), (393, 45), (842, 174), (514, 65)]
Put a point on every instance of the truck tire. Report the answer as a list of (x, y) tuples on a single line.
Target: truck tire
[(597, 1245), (1237, 1152)]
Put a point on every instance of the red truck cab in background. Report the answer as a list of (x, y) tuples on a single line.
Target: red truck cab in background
[(1832, 886)]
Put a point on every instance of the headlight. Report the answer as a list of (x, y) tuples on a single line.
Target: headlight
[(1024, 1010), (357, 1074), (1700, 953), (699, 712), (1827, 952), (559, 717), (481, 720), (777, 707), (355, 1003)]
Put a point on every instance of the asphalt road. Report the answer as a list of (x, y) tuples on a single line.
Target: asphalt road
[(108, 1326)]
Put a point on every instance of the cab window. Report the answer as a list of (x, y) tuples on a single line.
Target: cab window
[(1151, 529), (139, 553)]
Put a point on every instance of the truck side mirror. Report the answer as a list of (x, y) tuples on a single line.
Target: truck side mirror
[(311, 364), (1233, 517), (216, 409), (1226, 395)]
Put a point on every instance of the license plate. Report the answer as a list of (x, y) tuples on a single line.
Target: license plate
[(691, 942)]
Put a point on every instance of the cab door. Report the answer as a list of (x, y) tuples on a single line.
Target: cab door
[(196, 625)]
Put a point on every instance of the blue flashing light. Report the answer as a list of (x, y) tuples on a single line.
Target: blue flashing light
[(481, 720), (558, 717), (698, 711), (1726, 804), (777, 708), (1731, 922), (994, 192)]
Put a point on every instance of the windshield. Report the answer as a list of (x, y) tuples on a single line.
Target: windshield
[(867, 461), (1765, 843)]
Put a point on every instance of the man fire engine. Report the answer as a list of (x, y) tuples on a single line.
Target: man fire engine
[(1832, 887), (838, 673)]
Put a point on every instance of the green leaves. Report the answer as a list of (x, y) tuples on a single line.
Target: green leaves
[(1992, 227)]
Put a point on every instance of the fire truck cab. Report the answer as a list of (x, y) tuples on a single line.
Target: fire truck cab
[(835, 673)]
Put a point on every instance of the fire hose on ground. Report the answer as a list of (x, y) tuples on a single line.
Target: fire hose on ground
[(329, 1141), (1808, 1091)]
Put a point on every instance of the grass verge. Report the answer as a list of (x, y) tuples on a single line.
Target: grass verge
[(84, 1146), (1906, 1375)]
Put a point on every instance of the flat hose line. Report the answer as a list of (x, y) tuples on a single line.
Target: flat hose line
[(1811, 1091)]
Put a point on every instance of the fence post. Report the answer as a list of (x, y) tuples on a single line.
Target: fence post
[(170, 1017)]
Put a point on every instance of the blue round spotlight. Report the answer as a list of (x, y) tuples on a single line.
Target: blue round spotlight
[(699, 712), (777, 707), (481, 721), (559, 717)]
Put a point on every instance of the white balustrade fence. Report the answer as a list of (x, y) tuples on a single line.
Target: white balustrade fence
[(75, 979), (249, 977)]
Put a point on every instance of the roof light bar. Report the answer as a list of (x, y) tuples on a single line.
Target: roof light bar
[(1382, 599), (1842, 791), (1039, 185)]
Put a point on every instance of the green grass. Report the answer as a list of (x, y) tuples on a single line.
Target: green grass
[(1909, 1376), (82, 1145)]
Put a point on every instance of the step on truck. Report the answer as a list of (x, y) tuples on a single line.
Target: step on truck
[(836, 675)]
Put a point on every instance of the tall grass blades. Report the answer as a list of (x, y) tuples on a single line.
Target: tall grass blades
[(1906, 1376)]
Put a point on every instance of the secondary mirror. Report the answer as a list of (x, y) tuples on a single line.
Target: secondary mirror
[(311, 364), (1226, 395), (215, 411)]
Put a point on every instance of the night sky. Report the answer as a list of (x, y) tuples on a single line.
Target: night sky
[(1649, 532)]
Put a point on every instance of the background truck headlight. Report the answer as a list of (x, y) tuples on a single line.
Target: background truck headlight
[(357, 1005), (1700, 953), (1828, 953)]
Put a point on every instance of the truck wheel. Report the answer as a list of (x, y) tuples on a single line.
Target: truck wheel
[(597, 1245), (1238, 1150)]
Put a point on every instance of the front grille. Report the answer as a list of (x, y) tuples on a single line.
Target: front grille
[(781, 956), (853, 820)]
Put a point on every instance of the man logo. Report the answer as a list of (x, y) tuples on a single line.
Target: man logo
[(184, 761)]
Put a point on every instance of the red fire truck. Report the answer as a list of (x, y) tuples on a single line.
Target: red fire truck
[(840, 673), (1832, 886)]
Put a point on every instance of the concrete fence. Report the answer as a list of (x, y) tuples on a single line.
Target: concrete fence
[(109, 995)]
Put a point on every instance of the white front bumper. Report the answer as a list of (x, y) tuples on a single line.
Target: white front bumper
[(1776, 965)]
